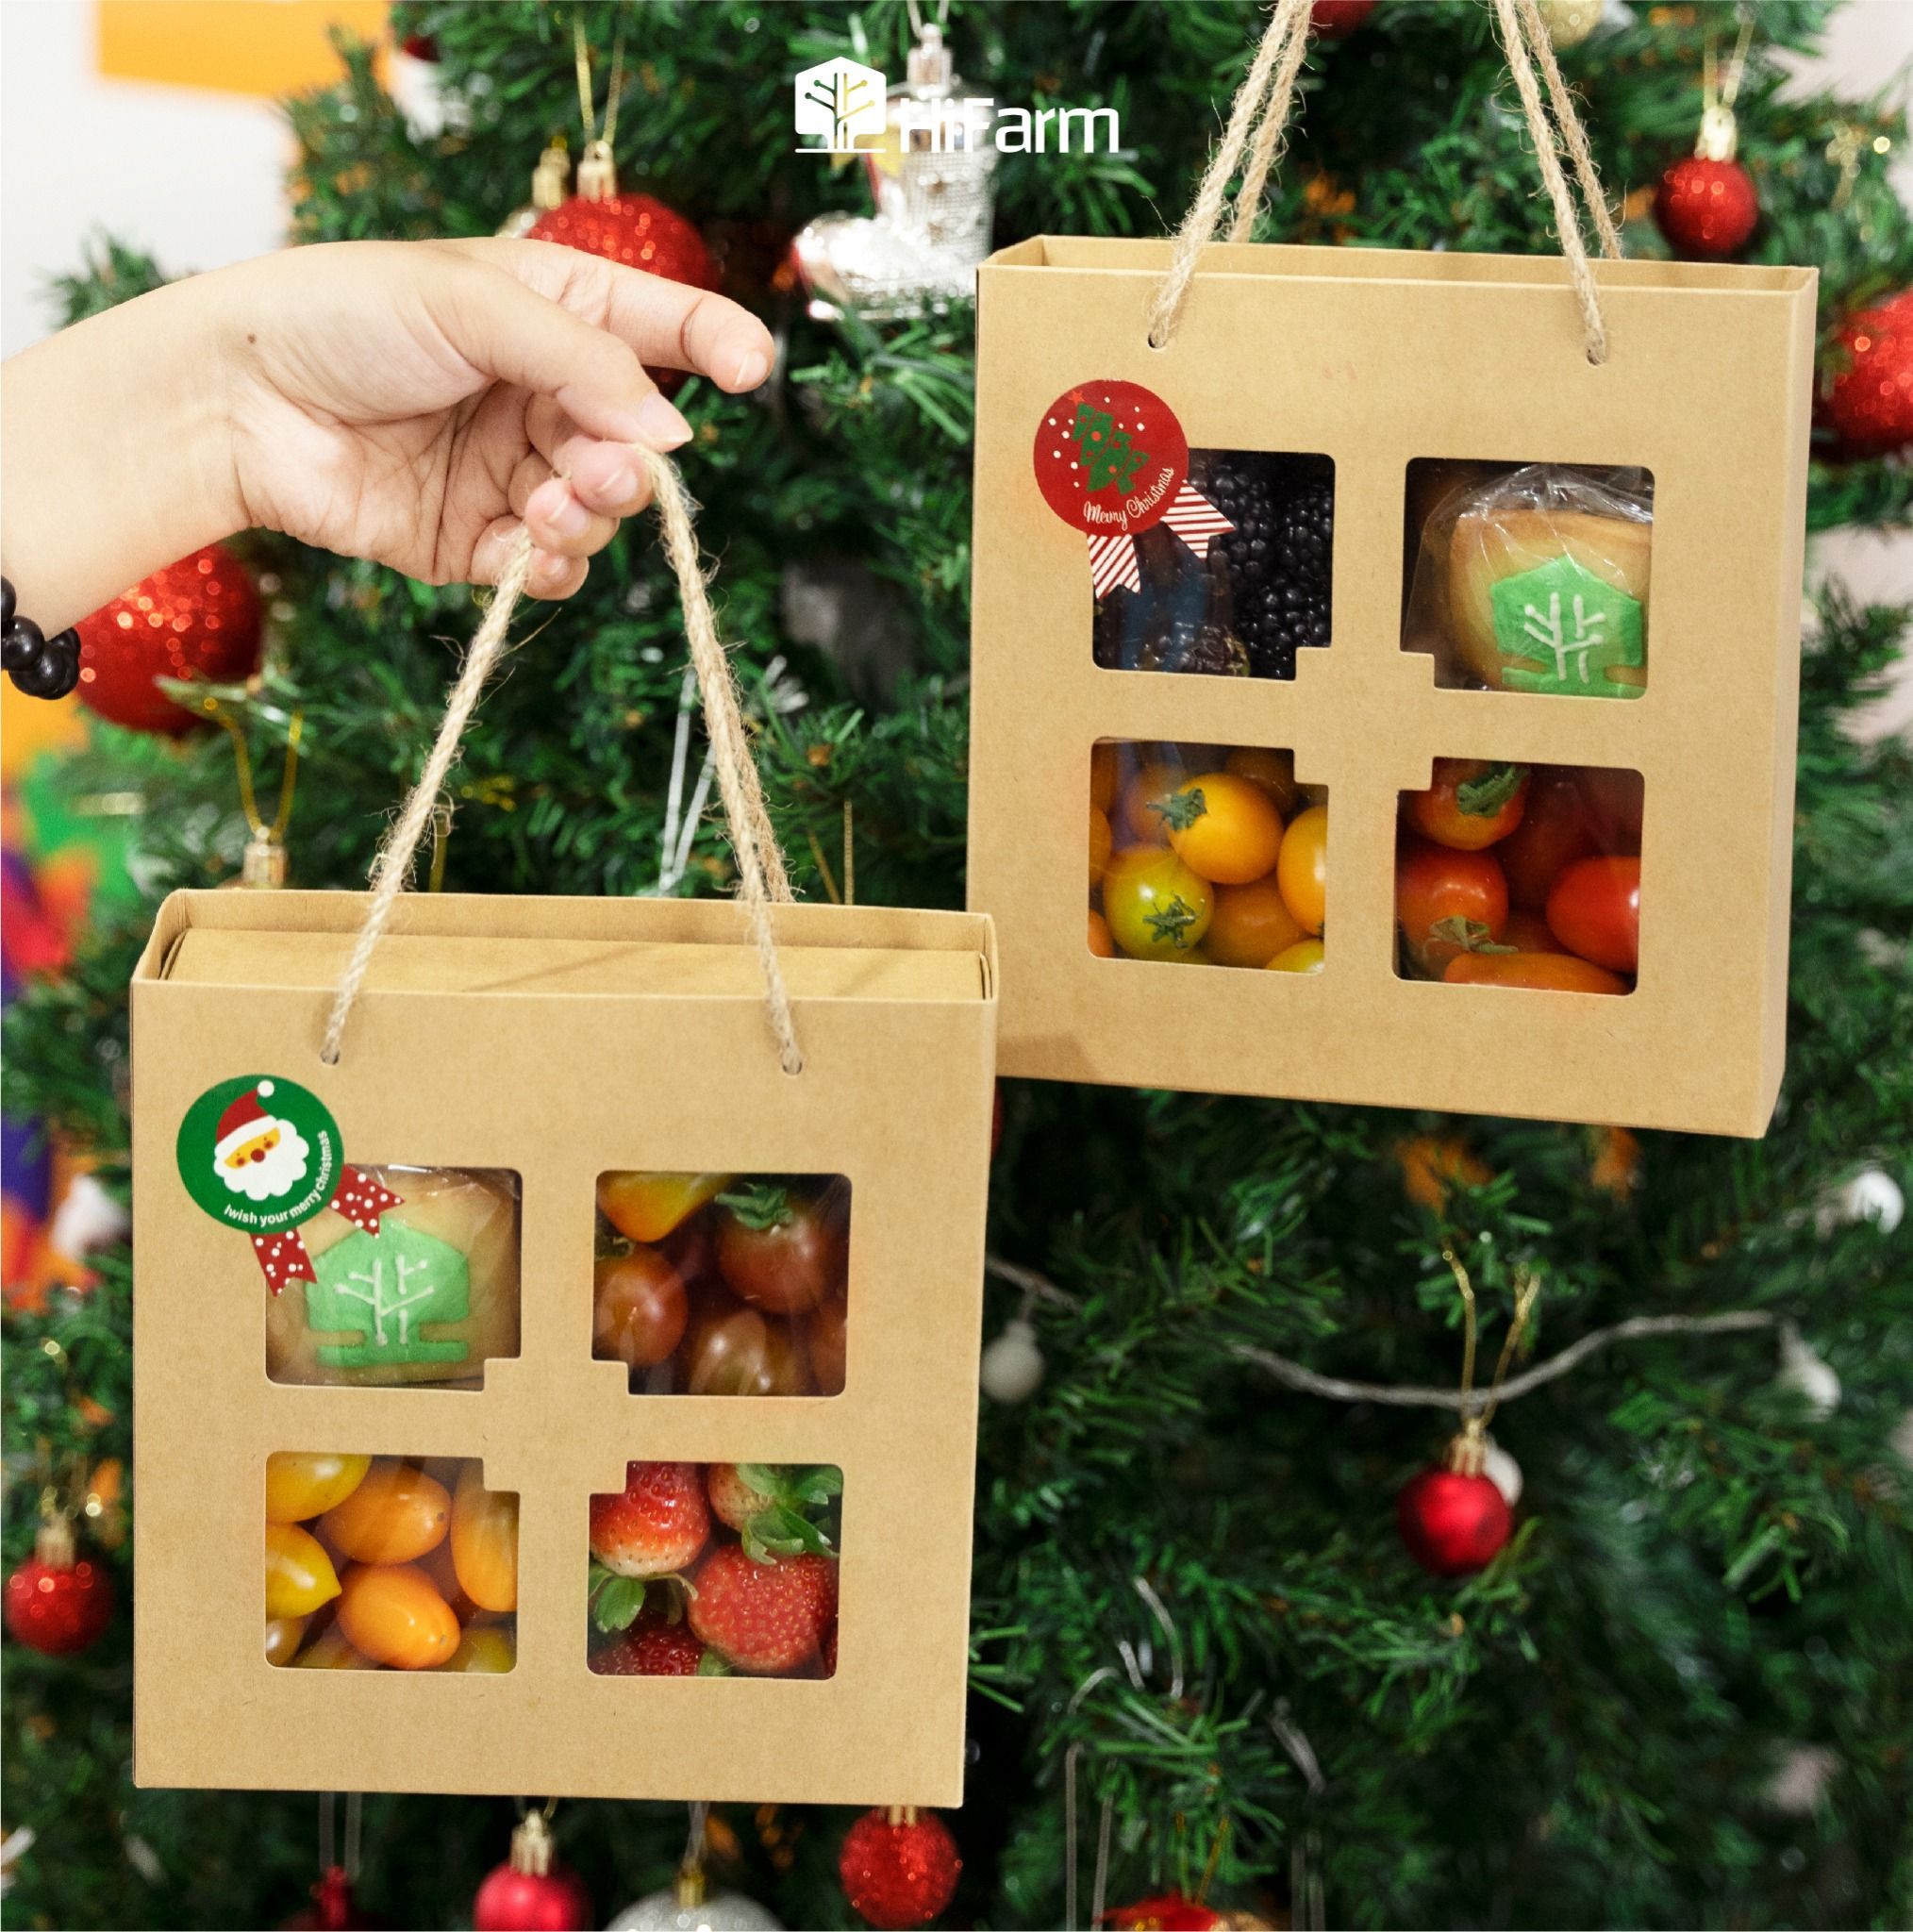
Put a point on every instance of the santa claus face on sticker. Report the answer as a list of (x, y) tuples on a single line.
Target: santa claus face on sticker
[(1110, 458), (260, 1153)]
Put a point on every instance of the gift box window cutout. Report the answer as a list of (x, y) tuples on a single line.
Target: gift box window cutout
[(1235, 580), (723, 1284), (714, 1570), (409, 1278), (1206, 855), (1521, 877), (389, 1563), (1529, 577)]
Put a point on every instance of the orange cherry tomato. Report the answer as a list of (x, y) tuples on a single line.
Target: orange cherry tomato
[(1156, 908), (1105, 774), (1273, 770), (301, 1484), (486, 1651), (646, 1207), (1595, 910), (1448, 903), (397, 1513), (390, 1613), (284, 1635), (1250, 926), (299, 1573), (1302, 871), (1100, 839), (1529, 932), (1304, 956), (1542, 972), (1151, 785), (1472, 804), (1556, 828), (484, 1542), (1224, 827), (1100, 942)]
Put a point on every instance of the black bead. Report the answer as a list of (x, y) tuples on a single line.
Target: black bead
[(6, 605), (40, 666), (24, 635)]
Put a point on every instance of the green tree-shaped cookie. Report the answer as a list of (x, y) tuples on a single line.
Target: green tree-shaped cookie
[(1560, 627), (386, 1287)]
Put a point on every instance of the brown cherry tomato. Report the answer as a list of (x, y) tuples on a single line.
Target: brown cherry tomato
[(781, 1251), (1448, 903), (826, 1343), (1556, 828), (1595, 912), (638, 1308), (742, 1353), (1542, 972), (1472, 804)]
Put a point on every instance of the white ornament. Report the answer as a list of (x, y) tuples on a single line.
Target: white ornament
[(687, 1907), (87, 1218), (1871, 1195), (1013, 1365), (1503, 1470), (1900, 1440), (1799, 1780), (1807, 1372)]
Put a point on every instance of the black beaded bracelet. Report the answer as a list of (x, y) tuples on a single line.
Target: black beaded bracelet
[(42, 666)]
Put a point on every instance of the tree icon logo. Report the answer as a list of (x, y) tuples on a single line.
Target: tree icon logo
[(840, 100)]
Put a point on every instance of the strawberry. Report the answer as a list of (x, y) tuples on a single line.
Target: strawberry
[(658, 1523), (773, 1507), (765, 1618), (652, 1648)]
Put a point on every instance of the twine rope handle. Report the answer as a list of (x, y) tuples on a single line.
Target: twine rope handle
[(1269, 88), (762, 878)]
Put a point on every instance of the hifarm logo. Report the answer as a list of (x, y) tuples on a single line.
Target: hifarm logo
[(841, 100)]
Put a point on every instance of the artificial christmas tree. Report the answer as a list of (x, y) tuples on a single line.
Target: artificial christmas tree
[(1192, 1614)]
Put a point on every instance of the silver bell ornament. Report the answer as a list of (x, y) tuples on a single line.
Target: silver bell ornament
[(1013, 1365), (687, 1906), (931, 176)]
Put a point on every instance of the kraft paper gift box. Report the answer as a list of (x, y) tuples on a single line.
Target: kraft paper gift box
[(550, 1040), (1378, 360)]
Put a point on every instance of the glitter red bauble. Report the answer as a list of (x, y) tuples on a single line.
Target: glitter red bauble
[(1452, 1524), (1169, 1912), (1335, 20), (57, 1603), (196, 618), (1870, 399), (902, 1874), (513, 1901), (632, 228), (1706, 209)]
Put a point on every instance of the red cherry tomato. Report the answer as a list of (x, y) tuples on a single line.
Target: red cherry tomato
[(1472, 804), (1595, 912), (1556, 828), (1448, 903), (781, 1252), (638, 1312), (1614, 805)]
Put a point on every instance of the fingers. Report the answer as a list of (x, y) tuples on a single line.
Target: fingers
[(606, 478), (553, 575), (557, 521)]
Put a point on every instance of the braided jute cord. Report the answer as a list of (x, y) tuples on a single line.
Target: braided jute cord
[(1269, 86), (761, 864)]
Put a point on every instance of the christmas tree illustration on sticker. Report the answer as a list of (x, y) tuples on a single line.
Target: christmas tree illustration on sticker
[(1109, 458), (1560, 629), (385, 1288)]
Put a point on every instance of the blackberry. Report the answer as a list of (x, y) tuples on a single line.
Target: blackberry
[(1277, 561)]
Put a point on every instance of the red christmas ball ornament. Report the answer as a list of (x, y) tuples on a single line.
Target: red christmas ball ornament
[(57, 1601), (1870, 398), (196, 618), (1335, 20), (530, 1892), (333, 1908), (632, 228), (1453, 1518), (1170, 1911), (899, 1866), (1706, 209)]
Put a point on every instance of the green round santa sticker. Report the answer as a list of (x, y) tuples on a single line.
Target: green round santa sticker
[(260, 1153)]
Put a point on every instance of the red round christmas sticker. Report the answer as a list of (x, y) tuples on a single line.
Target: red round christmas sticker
[(1110, 458)]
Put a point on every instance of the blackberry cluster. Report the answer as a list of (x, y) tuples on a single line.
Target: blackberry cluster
[(1279, 556)]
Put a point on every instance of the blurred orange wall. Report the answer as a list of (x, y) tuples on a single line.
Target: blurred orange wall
[(238, 46)]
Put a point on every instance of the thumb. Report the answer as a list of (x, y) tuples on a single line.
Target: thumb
[(520, 337)]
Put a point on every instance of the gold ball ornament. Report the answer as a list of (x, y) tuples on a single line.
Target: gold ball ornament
[(1570, 22)]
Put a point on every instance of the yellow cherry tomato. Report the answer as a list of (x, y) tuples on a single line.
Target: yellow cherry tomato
[(487, 1651), (299, 1573), (1304, 956), (390, 1613), (1156, 908), (646, 1207), (329, 1651), (1224, 827), (1274, 771), (1251, 925), (1302, 871), (284, 1635), (301, 1484), (397, 1513), (1100, 841), (1151, 785), (484, 1542)]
